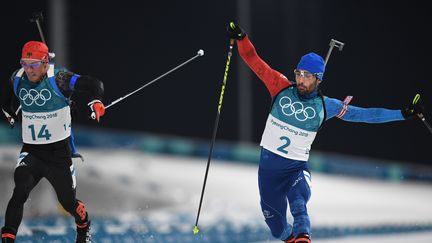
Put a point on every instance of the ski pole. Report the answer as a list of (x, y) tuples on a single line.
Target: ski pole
[(423, 119), (420, 115), (215, 128), (200, 53)]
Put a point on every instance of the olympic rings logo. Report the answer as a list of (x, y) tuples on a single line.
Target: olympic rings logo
[(33, 96), (297, 109)]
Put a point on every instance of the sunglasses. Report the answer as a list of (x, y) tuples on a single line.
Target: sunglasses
[(304, 74), (31, 65)]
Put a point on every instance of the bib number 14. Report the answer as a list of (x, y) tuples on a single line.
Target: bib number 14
[(43, 132)]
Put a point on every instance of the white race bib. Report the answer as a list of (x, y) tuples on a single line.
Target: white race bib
[(286, 140), (46, 127)]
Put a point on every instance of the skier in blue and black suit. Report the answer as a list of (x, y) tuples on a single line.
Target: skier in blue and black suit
[(297, 113)]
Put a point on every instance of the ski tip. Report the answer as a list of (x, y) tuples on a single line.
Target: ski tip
[(195, 230)]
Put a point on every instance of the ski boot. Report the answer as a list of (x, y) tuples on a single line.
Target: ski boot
[(303, 238), (290, 239), (83, 233), (8, 235)]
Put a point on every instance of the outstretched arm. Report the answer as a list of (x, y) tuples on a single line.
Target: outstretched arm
[(336, 108)]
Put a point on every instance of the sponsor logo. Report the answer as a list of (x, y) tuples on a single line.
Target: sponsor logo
[(297, 181), (20, 161), (267, 214)]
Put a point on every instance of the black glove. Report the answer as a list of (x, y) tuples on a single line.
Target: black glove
[(235, 32), (10, 116), (414, 108)]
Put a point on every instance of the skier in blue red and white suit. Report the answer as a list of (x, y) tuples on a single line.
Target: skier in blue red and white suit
[(43, 91), (297, 113)]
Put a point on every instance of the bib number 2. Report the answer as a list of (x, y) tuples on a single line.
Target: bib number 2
[(287, 142), (43, 132)]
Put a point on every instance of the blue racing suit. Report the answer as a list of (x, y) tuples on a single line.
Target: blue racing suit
[(283, 176)]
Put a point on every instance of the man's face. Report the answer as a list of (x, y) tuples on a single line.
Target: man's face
[(35, 69), (306, 81)]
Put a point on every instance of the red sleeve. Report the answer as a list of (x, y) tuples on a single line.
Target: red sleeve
[(273, 80)]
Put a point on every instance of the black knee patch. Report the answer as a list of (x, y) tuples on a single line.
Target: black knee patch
[(23, 184)]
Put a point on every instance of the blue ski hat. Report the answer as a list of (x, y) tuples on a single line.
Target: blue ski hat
[(312, 63)]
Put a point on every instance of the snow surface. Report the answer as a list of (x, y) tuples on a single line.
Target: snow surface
[(165, 190)]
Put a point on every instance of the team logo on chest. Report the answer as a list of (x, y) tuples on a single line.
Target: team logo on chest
[(33, 96), (300, 112)]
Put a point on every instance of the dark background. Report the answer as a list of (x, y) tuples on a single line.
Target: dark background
[(385, 61)]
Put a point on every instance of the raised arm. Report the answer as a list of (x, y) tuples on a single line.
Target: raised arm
[(273, 80)]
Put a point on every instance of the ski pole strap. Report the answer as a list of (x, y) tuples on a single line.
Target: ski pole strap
[(344, 109), (416, 99)]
